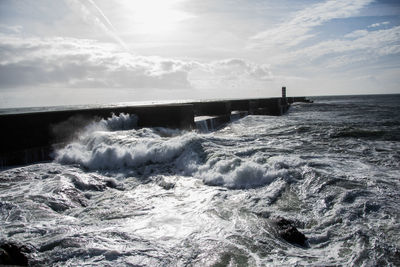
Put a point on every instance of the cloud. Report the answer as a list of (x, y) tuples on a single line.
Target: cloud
[(71, 62), (231, 69), (10, 28), (379, 24), (83, 63), (366, 46), (298, 29), (356, 34)]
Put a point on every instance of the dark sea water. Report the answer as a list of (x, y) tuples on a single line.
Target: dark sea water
[(160, 197)]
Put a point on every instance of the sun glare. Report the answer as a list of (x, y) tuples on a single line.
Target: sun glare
[(154, 16)]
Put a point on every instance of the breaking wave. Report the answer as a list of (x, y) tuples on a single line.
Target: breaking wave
[(101, 149)]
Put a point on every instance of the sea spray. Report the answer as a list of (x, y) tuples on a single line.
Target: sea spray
[(101, 149)]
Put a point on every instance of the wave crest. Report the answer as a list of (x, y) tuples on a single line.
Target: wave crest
[(156, 151), (247, 175)]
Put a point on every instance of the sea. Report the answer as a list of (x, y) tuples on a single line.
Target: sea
[(117, 196)]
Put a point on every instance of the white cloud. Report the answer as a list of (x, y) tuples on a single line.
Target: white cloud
[(232, 69), (379, 24), (70, 62), (367, 45), (298, 29), (83, 63), (10, 28), (356, 34)]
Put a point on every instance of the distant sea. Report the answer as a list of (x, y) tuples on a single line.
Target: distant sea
[(19, 110), (162, 197)]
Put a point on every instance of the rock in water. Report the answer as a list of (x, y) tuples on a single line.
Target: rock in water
[(289, 232), (14, 254)]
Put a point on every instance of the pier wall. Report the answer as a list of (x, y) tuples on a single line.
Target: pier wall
[(31, 137)]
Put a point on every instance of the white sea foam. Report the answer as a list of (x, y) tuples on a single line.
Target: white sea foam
[(93, 154), (100, 149), (233, 175), (114, 123), (121, 122)]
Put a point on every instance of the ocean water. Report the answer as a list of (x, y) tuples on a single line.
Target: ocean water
[(162, 197)]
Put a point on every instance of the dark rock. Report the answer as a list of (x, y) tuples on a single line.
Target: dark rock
[(112, 183), (81, 185), (263, 214), (14, 254), (289, 232), (166, 185)]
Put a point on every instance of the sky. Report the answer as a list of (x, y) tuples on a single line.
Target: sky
[(68, 52)]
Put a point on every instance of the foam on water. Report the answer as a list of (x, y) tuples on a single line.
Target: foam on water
[(100, 149), (103, 150), (160, 197)]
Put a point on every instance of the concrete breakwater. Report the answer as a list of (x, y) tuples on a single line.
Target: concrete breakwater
[(31, 137)]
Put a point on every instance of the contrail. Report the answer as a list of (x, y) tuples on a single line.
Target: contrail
[(101, 20), (109, 24), (102, 14)]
